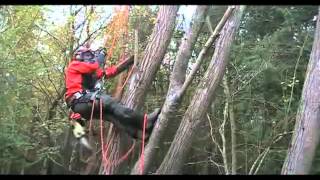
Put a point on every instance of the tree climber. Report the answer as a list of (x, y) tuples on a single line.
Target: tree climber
[(81, 77)]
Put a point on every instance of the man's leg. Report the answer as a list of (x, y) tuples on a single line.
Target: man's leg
[(127, 116), (82, 106), (131, 131), (131, 121)]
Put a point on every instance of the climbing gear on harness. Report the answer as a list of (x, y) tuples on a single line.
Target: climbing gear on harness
[(71, 99), (85, 142), (145, 120), (78, 130)]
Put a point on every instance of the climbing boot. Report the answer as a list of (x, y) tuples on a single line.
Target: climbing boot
[(152, 118)]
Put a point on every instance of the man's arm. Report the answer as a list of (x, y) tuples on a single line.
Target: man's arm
[(84, 67)]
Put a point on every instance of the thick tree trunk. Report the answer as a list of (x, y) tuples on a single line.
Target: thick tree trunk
[(202, 99), (306, 135), (142, 78), (177, 80), (153, 55)]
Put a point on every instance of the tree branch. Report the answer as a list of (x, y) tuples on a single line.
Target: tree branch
[(223, 138), (211, 134), (209, 42)]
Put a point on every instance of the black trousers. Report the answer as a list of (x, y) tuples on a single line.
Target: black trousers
[(114, 112)]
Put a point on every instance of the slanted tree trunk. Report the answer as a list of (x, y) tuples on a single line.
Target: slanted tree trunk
[(142, 78), (177, 80), (134, 97), (204, 95), (306, 134)]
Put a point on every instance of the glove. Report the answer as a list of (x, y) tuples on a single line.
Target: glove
[(78, 130), (99, 73), (111, 71)]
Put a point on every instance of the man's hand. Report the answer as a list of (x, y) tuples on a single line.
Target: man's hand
[(111, 71)]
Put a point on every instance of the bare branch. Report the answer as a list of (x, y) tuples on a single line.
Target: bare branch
[(60, 44), (136, 47), (209, 24), (45, 64), (212, 137), (264, 153), (294, 82), (209, 42), (223, 138), (262, 159)]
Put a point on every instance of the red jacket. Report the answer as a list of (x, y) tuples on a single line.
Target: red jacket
[(78, 71)]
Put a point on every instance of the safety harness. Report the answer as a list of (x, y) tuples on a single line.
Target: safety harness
[(79, 130)]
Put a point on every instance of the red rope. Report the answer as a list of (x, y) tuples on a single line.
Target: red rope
[(145, 119), (124, 157), (91, 117), (101, 132), (128, 76), (106, 161)]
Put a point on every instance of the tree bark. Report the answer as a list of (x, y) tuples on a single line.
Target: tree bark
[(306, 135), (204, 95), (177, 80)]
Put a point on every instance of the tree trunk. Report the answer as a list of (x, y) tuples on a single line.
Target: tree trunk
[(142, 78), (153, 55), (306, 135), (66, 148), (223, 137), (202, 99), (177, 80), (232, 125)]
